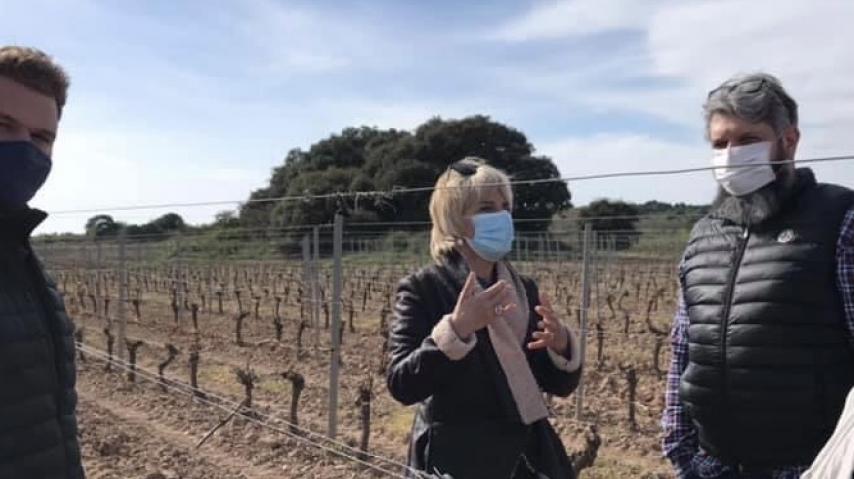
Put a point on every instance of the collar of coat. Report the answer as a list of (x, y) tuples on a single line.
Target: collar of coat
[(18, 225)]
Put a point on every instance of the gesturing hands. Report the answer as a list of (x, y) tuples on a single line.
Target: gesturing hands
[(475, 310), (550, 331)]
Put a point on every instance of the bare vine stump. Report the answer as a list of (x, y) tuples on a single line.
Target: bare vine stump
[(194, 372), (297, 385), (278, 306), (194, 311), (365, 299), (247, 378), (78, 338), (137, 313), (238, 329), (237, 294), (364, 404), (279, 326), (325, 315), (132, 347), (586, 457), (656, 356), (172, 351), (175, 311), (632, 382), (300, 331), (110, 341), (660, 335), (384, 319)]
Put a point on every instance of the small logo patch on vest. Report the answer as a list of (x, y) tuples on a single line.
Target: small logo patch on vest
[(786, 236)]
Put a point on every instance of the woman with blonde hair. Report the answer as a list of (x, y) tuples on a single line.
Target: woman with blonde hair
[(475, 345)]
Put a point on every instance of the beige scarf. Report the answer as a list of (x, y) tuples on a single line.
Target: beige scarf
[(507, 335)]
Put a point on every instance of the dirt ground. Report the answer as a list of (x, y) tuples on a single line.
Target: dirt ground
[(142, 430)]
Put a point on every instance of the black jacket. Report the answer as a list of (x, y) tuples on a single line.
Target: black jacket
[(466, 422), (770, 362), (38, 427)]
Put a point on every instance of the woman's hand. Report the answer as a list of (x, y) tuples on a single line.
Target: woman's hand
[(551, 332), (475, 310)]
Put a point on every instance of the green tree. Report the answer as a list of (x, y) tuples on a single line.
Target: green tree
[(417, 160), (100, 226), (613, 221), (303, 172), (368, 159)]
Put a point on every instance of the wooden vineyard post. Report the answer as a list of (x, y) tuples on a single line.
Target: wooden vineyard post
[(585, 306), (337, 286), (315, 287)]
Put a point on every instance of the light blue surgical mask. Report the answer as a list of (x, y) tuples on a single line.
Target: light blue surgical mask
[(493, 235)]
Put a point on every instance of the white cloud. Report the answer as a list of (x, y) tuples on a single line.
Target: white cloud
[(612, 153), (690, 48), (557, 19), (104, 168), (218, 100), (806, 44)]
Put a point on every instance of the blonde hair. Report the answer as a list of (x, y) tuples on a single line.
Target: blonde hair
[(457, 196), (35, 70)]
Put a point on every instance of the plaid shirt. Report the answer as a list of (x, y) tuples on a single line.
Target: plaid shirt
[(680, 439)]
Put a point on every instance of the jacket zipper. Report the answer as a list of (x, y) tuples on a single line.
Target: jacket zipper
[(730, 291)]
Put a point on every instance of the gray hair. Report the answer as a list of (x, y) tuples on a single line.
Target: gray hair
[(755, 98)]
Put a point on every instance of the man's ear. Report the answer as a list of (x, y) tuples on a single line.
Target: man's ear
[(791, 137)]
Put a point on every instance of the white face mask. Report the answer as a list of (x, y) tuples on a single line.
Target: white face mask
[(734, 173)]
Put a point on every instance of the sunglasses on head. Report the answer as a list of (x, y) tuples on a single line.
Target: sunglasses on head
[(463, 167), (751, 86)]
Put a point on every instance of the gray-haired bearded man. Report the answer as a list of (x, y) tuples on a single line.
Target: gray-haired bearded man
[(763, 339)]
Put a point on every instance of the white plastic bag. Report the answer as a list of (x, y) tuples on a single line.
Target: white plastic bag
[(836, 459)]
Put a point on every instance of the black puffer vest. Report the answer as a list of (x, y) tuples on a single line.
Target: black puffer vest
[(38, 428), (770, 361)]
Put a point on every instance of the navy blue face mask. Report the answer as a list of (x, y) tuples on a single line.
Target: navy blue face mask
[(23, 170)]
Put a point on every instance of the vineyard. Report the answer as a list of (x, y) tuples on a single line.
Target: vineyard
[(195, 364)]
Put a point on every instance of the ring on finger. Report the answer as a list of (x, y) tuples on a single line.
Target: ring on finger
[(499, 309)]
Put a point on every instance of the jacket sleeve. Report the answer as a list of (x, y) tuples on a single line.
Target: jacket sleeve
[(418, 367), (555, 379), (679, 441)]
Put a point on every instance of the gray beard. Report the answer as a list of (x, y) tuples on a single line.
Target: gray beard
[(755, 208)]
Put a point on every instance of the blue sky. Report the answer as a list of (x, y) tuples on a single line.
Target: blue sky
[(197, 100)]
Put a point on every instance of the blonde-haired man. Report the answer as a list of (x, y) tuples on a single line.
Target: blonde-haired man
[(38, 427)]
